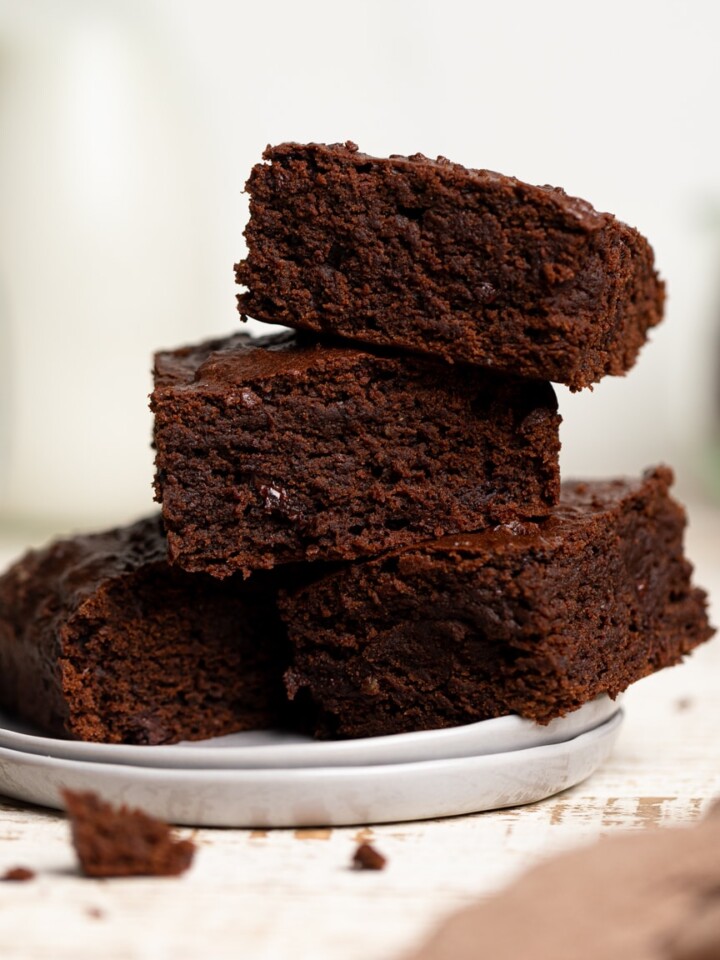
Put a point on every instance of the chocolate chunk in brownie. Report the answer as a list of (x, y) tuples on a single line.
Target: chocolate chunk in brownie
[(281, 449), (123, 842), (429, 256), (100, 639), (527, 618)]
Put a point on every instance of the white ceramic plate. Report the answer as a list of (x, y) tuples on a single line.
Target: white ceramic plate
[(269, 749), (320, 796)]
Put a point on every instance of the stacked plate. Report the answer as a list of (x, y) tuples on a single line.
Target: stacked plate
[(268, 779)]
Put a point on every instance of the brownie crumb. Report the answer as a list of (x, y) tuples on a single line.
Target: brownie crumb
[(19, 874), (123, 842), (96, 913), (366, 857)]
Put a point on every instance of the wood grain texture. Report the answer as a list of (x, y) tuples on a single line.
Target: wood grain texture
[(276, 894)]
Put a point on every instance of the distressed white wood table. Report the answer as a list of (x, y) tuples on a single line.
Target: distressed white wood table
[(276, 895)]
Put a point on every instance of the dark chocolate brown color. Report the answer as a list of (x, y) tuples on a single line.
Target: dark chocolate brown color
[(101, 640), (368, 857), (123, 842), (528, 618), (280, 449), (431, 257), (18, 875)]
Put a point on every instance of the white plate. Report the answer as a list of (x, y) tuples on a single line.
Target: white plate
[(320, 796), (269, 749)]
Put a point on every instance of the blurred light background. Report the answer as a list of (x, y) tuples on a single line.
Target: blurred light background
[(128, 128)]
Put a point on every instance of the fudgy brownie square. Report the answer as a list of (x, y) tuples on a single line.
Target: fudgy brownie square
[(280, 449), (431, 257), (100, 639), (527, 618)]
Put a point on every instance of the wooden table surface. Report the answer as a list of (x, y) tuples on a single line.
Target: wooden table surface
[(282, 894)]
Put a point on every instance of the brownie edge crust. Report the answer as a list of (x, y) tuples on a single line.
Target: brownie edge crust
[(430, 257), (528, 618)]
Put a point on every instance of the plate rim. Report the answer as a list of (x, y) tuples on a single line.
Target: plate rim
[(270, 774), (307, 753), (318, 797)]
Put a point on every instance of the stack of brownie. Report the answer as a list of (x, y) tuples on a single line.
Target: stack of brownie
[(363, 528)]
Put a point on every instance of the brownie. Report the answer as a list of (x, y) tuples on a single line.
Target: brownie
[(368, 857), (100, 639), (18, 875), (651, 894), (429, 256), (282, 449), (534, 618), (123, 842)]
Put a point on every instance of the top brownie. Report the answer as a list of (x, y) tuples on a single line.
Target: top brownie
[(281, 449), (430, 257)]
